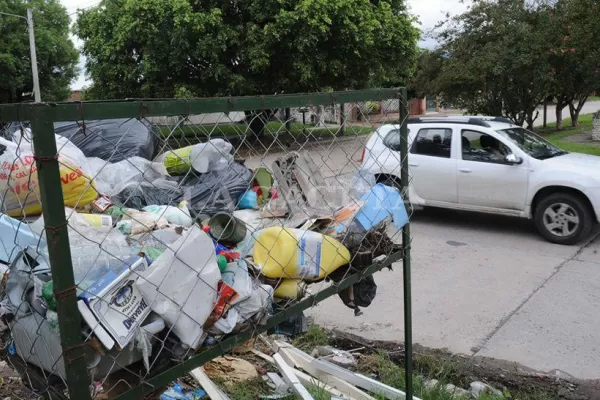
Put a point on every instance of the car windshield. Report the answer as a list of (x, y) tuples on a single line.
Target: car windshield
[(532, 144)]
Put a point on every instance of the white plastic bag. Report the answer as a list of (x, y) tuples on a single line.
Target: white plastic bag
[(111, 178), (212, 156), (181, 285), (175, 215), (135, 222)]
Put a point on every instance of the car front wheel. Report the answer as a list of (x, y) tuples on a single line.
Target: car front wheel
[(563, 218)]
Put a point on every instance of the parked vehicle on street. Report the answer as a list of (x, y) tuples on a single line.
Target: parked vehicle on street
[(490, 165)]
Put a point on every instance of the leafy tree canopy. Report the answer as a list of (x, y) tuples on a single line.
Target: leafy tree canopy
[(496, 60), (56, 55), (163, 48)]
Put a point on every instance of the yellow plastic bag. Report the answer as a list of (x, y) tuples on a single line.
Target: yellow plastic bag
[(19, 185), (298, 254), (177, 162)]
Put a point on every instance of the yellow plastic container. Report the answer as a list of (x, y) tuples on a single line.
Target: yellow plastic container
[(290, 289), (298, 254)]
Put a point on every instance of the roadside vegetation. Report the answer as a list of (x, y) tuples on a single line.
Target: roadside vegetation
[(431, 378), (561, 137)]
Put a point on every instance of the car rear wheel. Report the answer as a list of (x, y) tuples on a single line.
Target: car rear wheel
[(563, 218)]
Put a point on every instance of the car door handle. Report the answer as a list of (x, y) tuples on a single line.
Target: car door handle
[(413, 164), (465, 170)]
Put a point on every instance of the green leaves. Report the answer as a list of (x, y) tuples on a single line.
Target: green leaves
[(56, 55), (149, 48)]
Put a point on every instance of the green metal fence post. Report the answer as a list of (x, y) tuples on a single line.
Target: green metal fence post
[(69, 319), (404, 182)]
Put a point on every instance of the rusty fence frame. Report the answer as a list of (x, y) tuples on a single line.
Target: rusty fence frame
[(42, 117)]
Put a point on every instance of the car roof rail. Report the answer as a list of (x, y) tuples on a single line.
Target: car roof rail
[(448, 120)]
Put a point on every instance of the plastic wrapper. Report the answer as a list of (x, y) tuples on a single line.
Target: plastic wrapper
[(112, 140), (218, 191)]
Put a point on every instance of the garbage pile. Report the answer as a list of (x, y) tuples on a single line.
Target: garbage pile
[(183, 248)]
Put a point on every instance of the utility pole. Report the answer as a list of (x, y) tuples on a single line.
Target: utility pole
[(34, 70)]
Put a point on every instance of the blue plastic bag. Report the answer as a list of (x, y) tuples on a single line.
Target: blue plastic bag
[(248, 201), (178, 393), (381, 202)]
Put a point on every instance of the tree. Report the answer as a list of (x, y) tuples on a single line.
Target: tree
[(497, 60), (56, 55), (426, 79), (575, 54), (150, 48)]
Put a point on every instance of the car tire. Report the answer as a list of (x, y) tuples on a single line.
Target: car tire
[(563, 218), (389, 180)]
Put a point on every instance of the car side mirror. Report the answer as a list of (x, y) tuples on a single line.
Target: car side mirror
[(513, 159)]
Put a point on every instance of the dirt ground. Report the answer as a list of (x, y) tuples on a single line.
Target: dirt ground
[(497, 373), (583, 138)]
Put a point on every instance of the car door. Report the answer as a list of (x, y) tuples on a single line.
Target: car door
[(432, 167), (484, 178)]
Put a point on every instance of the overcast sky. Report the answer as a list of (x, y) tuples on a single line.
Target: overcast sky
[(429, 13)]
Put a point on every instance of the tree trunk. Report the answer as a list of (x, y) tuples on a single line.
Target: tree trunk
[(257, 120), (559, 118), (560, 106), (575, 111)]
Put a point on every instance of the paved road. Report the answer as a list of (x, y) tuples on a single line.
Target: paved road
[(588, 108), (482, 285)]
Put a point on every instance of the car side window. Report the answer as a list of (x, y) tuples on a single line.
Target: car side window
[(392, 140), (435, 142), (481, 147)]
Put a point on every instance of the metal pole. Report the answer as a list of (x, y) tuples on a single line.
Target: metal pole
[(63, 279), (34, 70), (342, 120), (545, 111), (404, 182)]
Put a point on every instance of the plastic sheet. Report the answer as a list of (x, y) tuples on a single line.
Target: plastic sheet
[(218, 191), (177, 277)]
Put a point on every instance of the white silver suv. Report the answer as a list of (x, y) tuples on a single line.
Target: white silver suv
[(488, 164)]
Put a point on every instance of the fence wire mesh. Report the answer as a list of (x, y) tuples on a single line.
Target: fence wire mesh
[(192, 232)]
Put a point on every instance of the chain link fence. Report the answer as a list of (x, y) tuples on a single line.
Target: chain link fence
[(186, 227)]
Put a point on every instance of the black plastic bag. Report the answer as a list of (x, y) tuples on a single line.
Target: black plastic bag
[(112, 140), (139, 195), (217, 191)]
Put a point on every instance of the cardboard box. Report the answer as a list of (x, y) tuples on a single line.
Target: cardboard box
[(116, 303)]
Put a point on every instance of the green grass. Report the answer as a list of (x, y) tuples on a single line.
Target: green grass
[(386, 371), (557, 137), (316, 336), (593, 98)]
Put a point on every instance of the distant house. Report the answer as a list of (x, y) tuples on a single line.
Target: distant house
[(76, 95)]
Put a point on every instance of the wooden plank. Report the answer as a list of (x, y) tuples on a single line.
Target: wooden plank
[(213, 392), (360, 380), (303, 361), (291, 379), (306, 379)]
